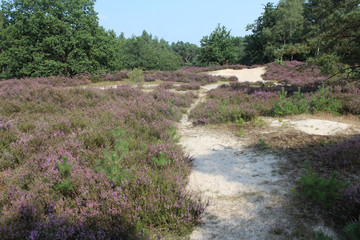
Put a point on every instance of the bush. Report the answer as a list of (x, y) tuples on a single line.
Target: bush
[(354, 105), (300, 103), (295, 105), (137, 76), (352, 230), (321, 191)]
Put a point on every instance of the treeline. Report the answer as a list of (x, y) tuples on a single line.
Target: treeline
[(42, 37), (323, 31)]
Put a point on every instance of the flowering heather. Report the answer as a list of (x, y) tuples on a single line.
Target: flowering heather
[(231, 104), (354, 105), (91, 164), (293, 73), (116, 76), (345, 154), (189, 86), (216, 68), (183, 76), (347, 208)]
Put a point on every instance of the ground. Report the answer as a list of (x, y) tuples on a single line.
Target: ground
[(249, 193)]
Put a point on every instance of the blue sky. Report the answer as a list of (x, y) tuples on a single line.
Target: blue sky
[(178, 20)]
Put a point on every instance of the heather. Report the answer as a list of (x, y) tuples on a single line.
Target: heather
[(90, 164), (232, 104), (241, 101), (294, 73), (183, 76)]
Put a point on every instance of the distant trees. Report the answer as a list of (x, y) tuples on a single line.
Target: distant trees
[(326, 31), (148, 53), (187, 51), (42, 37), (218, 48)]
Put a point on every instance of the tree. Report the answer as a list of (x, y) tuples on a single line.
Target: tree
[(218, 48), (148, 53), (333, 27), (187, 51), (46, 37), (289, 20), (259, 46)]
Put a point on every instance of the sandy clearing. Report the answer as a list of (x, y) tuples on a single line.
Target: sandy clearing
[(243, 75), (316, 126)]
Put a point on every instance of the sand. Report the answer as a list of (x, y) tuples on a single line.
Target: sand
[(245, 192), (247, 195), (315, 126), (243, 75)]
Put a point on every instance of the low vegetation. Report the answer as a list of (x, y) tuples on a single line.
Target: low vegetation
[(327, 180), (91, 164)]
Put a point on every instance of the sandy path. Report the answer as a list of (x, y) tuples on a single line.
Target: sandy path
[(246, 193), (248, 197)]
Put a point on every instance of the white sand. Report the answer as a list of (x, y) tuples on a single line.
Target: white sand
[(243, 75), (315, 126), (245, 192)]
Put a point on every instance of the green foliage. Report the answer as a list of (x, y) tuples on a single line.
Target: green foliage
[(322, 31), (264, 144), (322, 102), (352, 230), (218, 48), (332, 31), (241, 132), (149, 53), (65, 186), (321, 191), (42, 38), (321, 236), (258, 122), (295, 105), (298, 103), (187, 51), (161, 160), (111, 163), (137, 76)]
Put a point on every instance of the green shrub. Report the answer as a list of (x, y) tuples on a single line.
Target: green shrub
[(295, 105), (137, 76), (65, 186), (322, 102), (320, 190), (298, 103), (352, 230), (321, 236), (111, 163), (161, 160)]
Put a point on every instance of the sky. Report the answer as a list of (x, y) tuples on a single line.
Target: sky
[(178, 20)]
